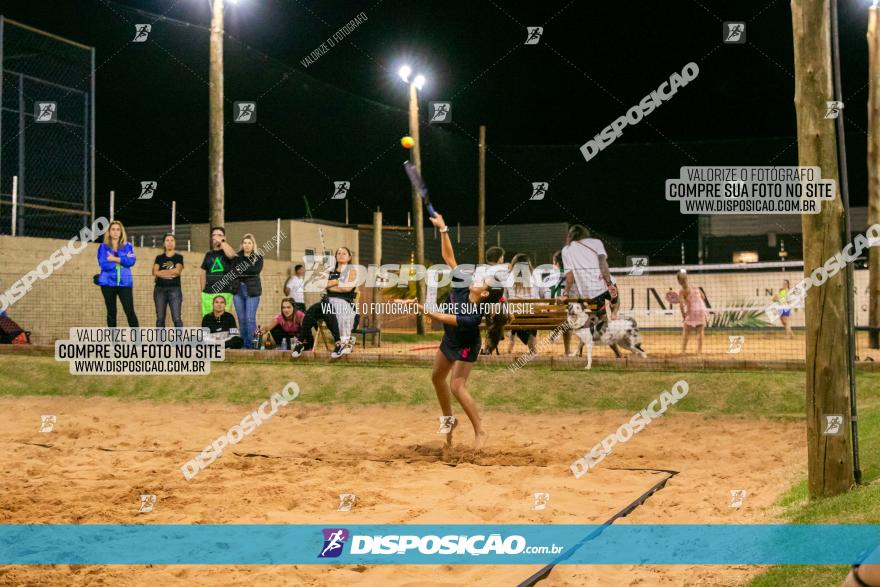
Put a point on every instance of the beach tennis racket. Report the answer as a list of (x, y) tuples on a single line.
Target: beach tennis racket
[(415, 178)]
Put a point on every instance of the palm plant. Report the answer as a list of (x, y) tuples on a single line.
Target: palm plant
[(742, 314)]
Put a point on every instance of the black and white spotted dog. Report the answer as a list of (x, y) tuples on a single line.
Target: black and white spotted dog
[(590, 328)]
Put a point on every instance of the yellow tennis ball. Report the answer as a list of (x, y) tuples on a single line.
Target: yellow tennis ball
[(407, 142)]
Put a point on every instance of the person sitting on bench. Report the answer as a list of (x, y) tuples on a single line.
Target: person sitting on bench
[(222, 325), (286, 326)]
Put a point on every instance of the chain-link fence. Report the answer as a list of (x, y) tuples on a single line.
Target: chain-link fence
[(729, 312), (46, 132)]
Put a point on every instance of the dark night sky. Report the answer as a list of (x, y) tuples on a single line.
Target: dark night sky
[(341, 117)]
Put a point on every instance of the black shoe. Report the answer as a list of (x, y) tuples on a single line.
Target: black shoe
[(297, 349)]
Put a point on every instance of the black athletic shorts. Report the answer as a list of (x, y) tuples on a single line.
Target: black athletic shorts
[(599, 302), (460, 351)]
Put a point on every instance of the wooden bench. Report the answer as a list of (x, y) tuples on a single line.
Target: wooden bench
[(545, 314)]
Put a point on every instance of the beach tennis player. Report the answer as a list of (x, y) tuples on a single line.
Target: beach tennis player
[(460, 346)]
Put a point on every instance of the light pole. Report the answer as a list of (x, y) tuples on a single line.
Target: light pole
[(874, 169), (215, 119), (415, 85)]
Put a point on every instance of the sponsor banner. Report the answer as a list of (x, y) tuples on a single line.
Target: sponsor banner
[(652, 298), (656, 544)]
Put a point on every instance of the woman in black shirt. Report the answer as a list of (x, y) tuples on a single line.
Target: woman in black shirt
[(336, 308), (166, 269)]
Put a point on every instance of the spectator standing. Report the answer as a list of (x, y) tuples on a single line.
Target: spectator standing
[(116, 258), (294, 288), (587, 274), (249, 288), (167, 292), (216, 265)]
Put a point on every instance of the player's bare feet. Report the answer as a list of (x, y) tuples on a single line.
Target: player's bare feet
[(480, 439)]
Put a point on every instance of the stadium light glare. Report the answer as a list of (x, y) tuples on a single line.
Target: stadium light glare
[(419, 82), (404, 73)]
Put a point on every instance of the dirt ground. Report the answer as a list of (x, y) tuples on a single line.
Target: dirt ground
[(104, 453)]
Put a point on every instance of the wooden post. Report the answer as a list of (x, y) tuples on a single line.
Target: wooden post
[(874, 170), (215, 114), (829, 457), (14, 204), (278, 238), (481, 205), (377, 261), (418, 221)]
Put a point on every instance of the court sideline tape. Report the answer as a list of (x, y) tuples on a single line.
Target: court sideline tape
[(545, 571)]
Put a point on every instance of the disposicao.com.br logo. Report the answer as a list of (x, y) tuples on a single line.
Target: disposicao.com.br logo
[(451, 544), (334, 540)]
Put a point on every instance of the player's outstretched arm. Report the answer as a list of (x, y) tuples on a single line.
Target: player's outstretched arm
[(445, 242)]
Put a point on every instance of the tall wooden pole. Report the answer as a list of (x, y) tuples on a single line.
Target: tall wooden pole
[(874, 170), (215, 114), (15, 205), (481, 206), (418, 221), (377, 261), (829, 457)]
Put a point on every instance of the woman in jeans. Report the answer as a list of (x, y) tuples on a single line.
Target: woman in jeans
[(166, 270), (249, 289), (116, 257)]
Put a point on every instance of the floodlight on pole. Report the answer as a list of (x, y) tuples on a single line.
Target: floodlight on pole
[(415, 156)]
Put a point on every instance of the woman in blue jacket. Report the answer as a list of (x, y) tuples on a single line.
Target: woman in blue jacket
[(115, 257)]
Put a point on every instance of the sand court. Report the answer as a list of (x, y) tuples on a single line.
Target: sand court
[(103, 454)]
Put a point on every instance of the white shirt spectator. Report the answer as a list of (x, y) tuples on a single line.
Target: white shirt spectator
[(295, 287), (548, 283), (581, 259)]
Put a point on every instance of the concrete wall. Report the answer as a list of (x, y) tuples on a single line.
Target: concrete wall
[(68, 298), (297, 236)]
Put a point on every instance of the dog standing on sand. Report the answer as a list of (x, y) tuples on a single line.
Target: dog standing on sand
[(590, 328)]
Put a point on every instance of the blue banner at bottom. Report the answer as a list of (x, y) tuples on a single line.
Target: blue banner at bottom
[(222, 544)]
